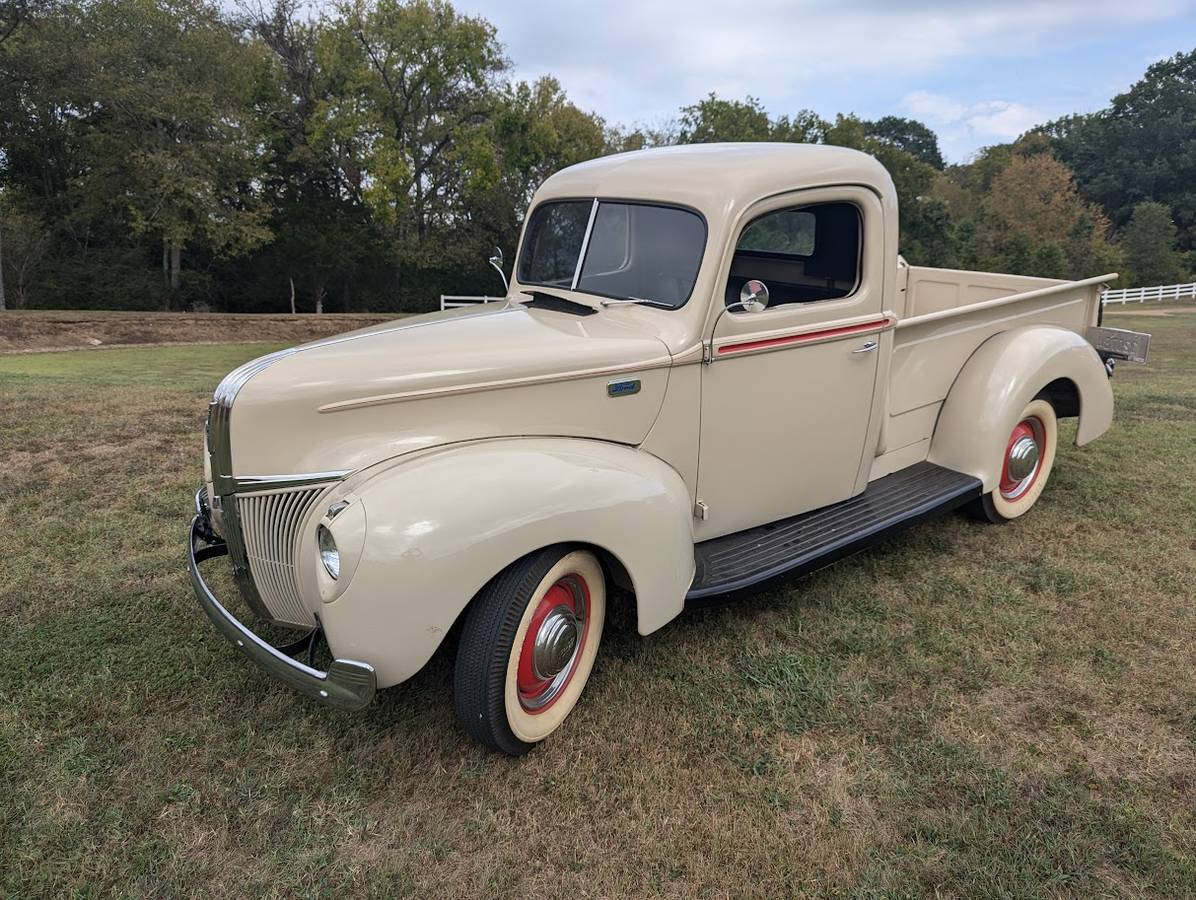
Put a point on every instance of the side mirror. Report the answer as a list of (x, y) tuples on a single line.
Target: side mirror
[(752, 298), (496, 262)]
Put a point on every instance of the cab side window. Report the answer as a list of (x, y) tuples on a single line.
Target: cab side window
[(803, 254)]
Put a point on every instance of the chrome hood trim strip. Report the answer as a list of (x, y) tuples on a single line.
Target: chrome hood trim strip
[(232, 383), (248, 484)]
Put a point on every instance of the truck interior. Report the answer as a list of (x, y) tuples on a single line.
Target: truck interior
[(804, 254)]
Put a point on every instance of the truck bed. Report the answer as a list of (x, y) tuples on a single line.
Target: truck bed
[(943, 316), (926, 290)]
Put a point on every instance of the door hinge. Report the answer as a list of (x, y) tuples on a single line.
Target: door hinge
[(701, 511)]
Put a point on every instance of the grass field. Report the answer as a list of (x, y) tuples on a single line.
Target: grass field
[(966, 711)]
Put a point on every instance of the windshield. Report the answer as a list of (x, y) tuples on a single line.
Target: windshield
[(628, 251)]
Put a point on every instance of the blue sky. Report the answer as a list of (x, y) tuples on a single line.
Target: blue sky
[(977, 72)]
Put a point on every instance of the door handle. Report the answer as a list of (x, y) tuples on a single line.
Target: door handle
[(867, 348)]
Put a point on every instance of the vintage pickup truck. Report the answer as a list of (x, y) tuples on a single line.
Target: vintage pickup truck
[(711, 369)]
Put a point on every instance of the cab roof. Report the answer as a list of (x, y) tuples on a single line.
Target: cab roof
[(718, 179)]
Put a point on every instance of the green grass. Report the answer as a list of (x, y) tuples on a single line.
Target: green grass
[(965, 711)]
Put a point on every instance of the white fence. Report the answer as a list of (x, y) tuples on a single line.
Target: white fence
[(1142, 294), (453, 301)]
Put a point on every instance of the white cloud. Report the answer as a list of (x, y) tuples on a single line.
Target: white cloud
[(1004, 119), (771, 47), (639, 60), (962, 124), (934, 109), (998, 118)]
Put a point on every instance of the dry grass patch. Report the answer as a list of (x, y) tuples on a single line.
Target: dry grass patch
[(965, 711)]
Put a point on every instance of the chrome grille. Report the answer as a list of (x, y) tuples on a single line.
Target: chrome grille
[(260, 515), (270, 526)]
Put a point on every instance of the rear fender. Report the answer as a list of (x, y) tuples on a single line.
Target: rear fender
[(996, 383), (437, 527)]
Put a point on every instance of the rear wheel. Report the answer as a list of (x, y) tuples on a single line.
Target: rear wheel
[(528, 646), (1028, 459)]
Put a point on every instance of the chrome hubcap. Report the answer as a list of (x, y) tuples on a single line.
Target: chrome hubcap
[(553, 642), (1023, 457), (556, 642)]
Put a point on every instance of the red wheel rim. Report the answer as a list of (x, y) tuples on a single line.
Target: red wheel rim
[(1014, 484), (554, 643)]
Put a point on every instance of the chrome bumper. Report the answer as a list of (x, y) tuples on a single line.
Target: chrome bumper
[(347, 684)]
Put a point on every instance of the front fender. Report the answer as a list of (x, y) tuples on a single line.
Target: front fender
[(443, 523), (996, 383)]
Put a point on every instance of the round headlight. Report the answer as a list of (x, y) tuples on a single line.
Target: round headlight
[(329, 555)]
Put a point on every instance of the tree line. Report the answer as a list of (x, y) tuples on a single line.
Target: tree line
[(171, 154)]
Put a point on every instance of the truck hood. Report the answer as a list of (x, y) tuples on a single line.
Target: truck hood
[(344, 403)]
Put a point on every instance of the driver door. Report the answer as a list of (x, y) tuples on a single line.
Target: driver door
[(788, 394)]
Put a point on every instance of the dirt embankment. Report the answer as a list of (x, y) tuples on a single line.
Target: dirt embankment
[(33, 331)]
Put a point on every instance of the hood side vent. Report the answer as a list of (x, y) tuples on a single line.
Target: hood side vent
[(540, 300)]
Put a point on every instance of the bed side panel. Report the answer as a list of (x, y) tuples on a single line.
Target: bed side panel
[(928, 356)]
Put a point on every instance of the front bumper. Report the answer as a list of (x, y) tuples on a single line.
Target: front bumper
[(347, 684)]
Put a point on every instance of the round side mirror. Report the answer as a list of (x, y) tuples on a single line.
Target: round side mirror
[(754, 296)]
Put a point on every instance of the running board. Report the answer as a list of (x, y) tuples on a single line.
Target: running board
[(801, 544)]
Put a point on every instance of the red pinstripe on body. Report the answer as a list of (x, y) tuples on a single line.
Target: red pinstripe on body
[(876, 325)]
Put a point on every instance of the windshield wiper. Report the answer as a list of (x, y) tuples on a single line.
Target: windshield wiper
[(638, 301)]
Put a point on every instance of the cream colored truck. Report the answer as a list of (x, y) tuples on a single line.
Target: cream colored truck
[(711, 369)]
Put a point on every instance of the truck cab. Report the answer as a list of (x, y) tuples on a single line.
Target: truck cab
[(711, 369)]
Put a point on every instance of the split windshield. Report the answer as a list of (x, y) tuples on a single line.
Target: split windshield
[(634, 251)]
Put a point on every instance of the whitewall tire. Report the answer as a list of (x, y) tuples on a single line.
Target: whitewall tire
[(528, 647), (1029, 456)]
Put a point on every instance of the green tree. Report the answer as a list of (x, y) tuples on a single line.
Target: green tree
[(924, 219), (1142, 147), (41, 71), (322, 154), (24, 241), (412, 92), (1033, 221), (536, 131), (323, 233), (1149, 244), (804, 127), (620, 139), (129, 120), (909, 135), (1049, 261), (16, 13), (173, 143), (714, 119)]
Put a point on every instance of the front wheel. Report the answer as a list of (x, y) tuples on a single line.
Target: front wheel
[(528, 646), (1026, 465)]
